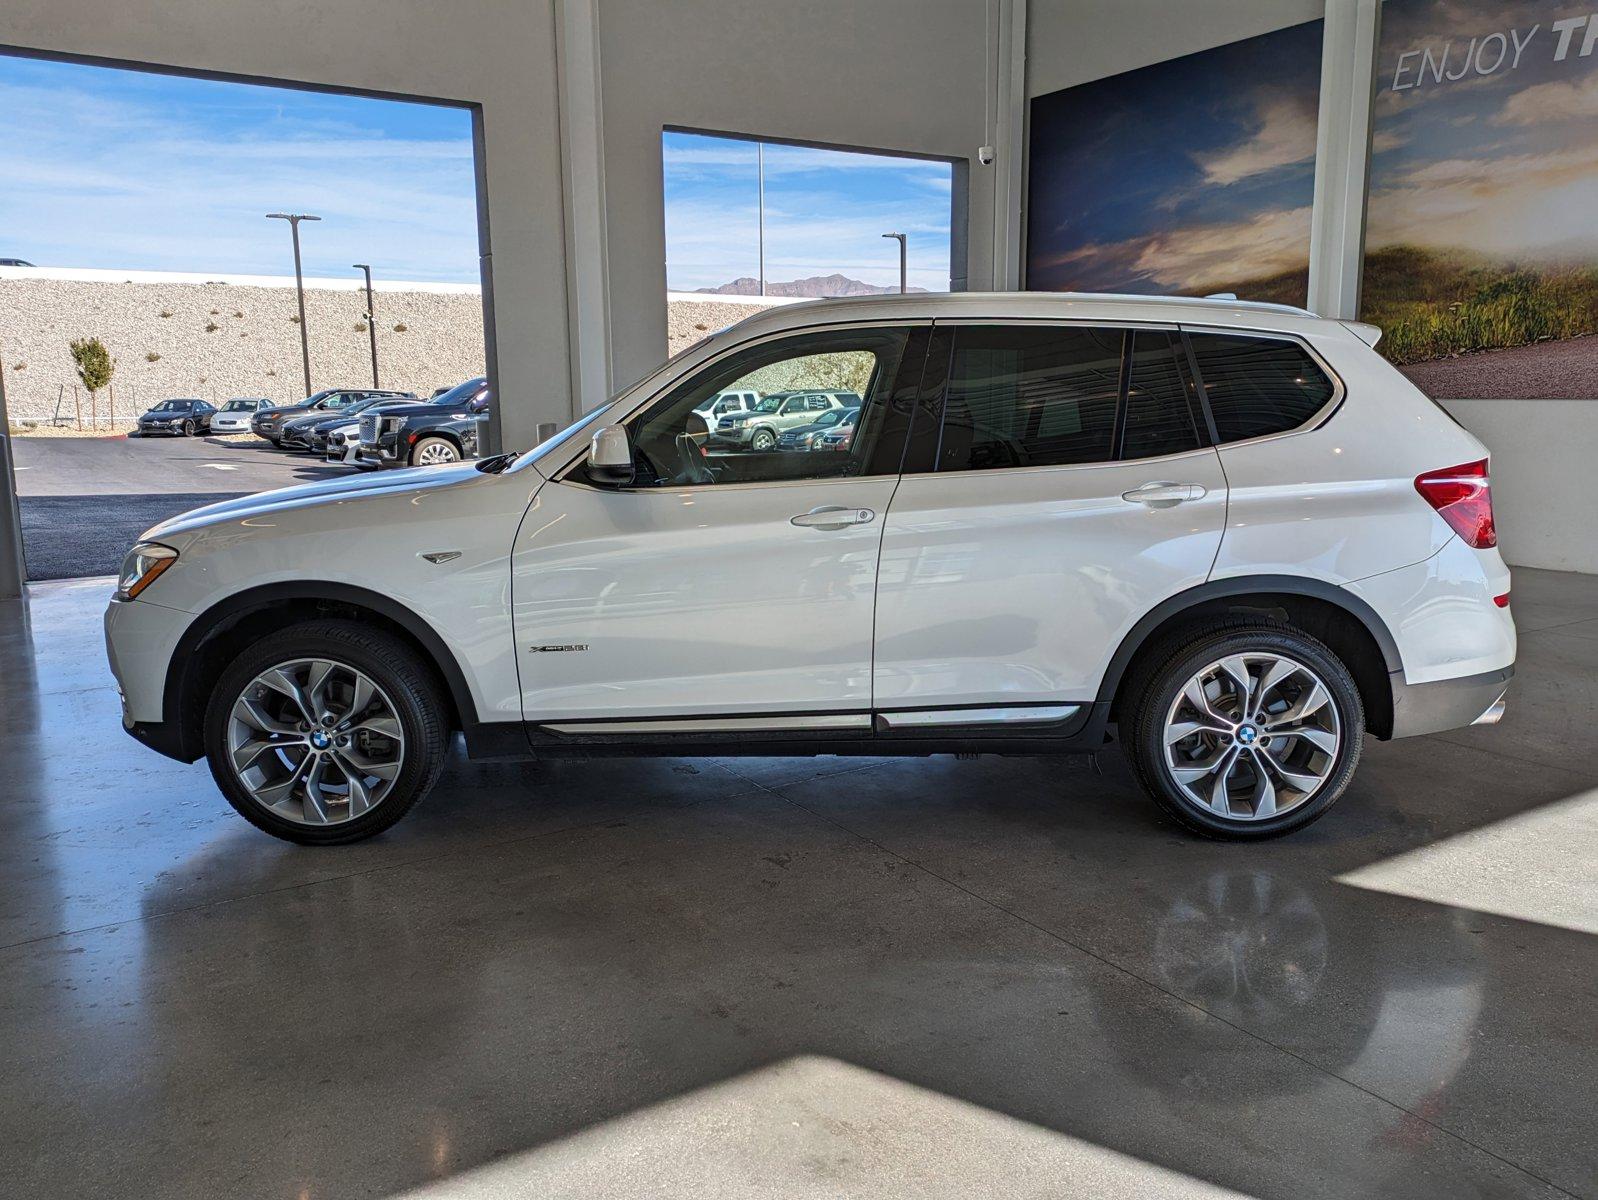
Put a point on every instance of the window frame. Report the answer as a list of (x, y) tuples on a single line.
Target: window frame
[(914, 362), (936, 387), (1310, 424)]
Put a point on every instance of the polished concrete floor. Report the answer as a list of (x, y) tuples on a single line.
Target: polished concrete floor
[(800, 977)]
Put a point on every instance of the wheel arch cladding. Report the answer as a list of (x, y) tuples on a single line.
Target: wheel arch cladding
[(216, 635), (1348, 626)]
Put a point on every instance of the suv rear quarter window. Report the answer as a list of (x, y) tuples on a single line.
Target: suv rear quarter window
[(1259, 385)]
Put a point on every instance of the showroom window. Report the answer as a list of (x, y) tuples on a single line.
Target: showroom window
[(841, 375), (1258, 386)]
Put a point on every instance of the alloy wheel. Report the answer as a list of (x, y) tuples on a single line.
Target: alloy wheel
[(1252, 736), (438, 452), (315, 742)]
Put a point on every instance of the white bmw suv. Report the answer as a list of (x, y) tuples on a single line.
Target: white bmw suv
[(1228, 535)]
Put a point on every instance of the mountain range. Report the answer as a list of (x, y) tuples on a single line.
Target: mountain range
[(815, 287)]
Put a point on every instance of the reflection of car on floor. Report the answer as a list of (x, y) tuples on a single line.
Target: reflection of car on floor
[(776, 413), (235, 416), (1062, 520), (269, 424), (804, 437), (426, 435), (183, 418)]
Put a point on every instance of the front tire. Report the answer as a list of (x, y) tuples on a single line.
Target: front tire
[(188, 429), (1249, 731), (325, 733), (762, 440), (434, 451)]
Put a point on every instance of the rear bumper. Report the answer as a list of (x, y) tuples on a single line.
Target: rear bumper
[(1420, 708)]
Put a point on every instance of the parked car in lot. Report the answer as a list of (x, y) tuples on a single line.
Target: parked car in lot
[(726, 404), (235, 416), (339, 439), (302, 433), (841, 435), (443, 430), (759, 428), (179, 417), (1228, 535), (269, 424), (803, 437)]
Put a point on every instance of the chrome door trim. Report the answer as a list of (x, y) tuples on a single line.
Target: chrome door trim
[(813, 721), (1030, 714)]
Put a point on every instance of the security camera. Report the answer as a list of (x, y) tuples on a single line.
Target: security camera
[(985, 155)]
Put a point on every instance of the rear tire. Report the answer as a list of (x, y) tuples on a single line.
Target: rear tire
[(1248, 731), (371, 745)]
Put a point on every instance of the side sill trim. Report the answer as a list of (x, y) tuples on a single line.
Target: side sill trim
[(1027, 715), (716, 724)]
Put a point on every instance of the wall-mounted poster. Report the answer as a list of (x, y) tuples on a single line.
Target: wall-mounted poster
[(1481, 246), (1193, 175)]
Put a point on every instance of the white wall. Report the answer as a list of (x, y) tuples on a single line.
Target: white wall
[(1542, 462), (1076, 41), (501, 55), (904, 75)]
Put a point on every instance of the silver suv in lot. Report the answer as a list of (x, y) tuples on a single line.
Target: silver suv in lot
[(1228, 535), (759, 428)]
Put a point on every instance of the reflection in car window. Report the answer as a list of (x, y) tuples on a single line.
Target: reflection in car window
[(675, 446), (1258, 386)]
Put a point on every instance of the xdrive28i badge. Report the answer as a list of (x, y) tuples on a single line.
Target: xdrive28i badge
[(568, 649)]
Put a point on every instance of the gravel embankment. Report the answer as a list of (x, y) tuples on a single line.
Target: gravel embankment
[(1563, 370)]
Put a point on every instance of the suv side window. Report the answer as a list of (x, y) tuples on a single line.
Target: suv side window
[(1161, 408), (1258, 385), (672, 444), (1031, 396)]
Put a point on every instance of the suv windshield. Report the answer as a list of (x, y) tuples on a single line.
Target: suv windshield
[(461, 392)]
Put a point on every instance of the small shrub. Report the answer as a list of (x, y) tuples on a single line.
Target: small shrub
[(238, 314), (271, 371), (152, 356), (294, 320), (401, 327), (360, 327), (215, 313), (211, 327), (202, 378), (702, 328), (19, 366), (165, 313)]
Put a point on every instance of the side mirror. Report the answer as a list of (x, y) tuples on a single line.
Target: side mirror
[(610, 455)]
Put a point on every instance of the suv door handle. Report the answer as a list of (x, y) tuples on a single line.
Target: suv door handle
[(1164, 495), (833, 516)]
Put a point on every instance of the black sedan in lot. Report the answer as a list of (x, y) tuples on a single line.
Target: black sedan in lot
[(183, 418), (443, 430), (804, 436)]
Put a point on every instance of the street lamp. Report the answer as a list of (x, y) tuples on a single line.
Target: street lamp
[(903, 282), (371, 315), (294, 220)]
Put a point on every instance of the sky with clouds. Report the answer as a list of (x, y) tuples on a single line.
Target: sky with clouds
[(134, 171), (1501, 156), (826, 211), (1192, 173)]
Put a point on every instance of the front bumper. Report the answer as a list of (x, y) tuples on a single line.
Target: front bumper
[(1421, 708)]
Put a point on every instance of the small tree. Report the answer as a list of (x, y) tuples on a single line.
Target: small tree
[(95, 367)]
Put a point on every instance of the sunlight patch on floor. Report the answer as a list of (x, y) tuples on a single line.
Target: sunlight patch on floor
[(811, 1126), (1534, 867)]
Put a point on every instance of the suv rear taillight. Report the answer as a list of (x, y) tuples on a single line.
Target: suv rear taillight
[(1462, 497)]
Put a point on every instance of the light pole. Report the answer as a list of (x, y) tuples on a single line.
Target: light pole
[(371, 316), (760, 208), (294, 220), (903, 281)]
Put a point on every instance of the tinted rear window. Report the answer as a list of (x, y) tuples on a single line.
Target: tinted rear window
[(1257, 386)]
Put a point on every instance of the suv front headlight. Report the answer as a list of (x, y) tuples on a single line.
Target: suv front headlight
[(139, 569)]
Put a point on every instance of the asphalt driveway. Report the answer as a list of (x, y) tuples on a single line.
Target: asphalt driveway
[(86, 500)]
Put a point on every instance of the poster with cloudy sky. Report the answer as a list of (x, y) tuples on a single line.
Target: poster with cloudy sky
[(1193, 175), (1482, 230)]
